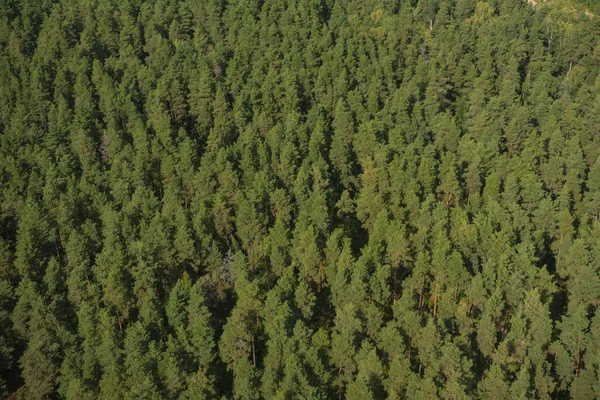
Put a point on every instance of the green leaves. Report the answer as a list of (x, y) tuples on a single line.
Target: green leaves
[(309, 199)]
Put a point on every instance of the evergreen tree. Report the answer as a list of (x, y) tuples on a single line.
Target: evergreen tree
[(309, 199)]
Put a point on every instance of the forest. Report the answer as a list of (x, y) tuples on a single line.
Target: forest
[(299, 199)]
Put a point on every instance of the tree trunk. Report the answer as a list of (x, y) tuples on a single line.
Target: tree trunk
[(435, 299), (119, 319), (558, 256), (253, 353)]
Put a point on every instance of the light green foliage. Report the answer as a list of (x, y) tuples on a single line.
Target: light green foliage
[(313, 199)]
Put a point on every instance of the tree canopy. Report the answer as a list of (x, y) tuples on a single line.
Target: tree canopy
[(299, 199)]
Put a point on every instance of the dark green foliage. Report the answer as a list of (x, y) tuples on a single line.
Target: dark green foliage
[(299, 199)]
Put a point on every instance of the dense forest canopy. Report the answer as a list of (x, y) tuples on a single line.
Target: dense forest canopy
[(299, 199)]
